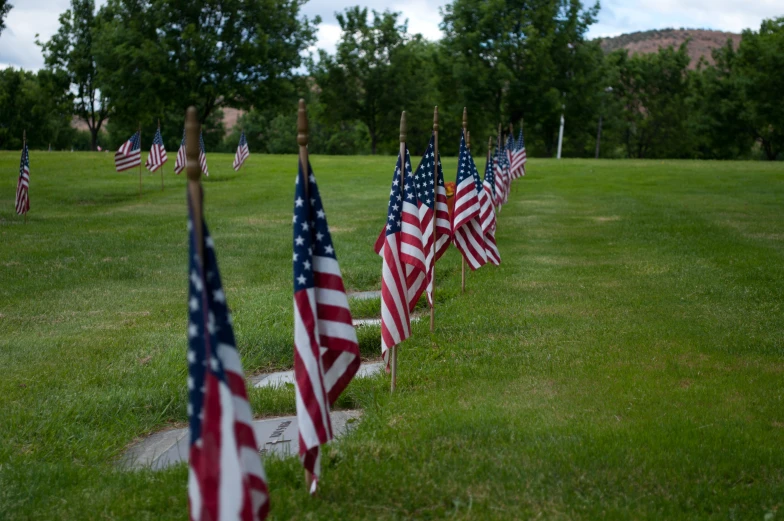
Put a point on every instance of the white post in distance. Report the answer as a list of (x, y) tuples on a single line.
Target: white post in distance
[(560, 136)]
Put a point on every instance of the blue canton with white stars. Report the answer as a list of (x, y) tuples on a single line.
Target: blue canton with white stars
[(490, 174), (400, 189), (463, 163), (136, 141), (423, 177), (25, 161), (243, 141), (209, 324), (157, 140), (520, 142), (311, 232), (201, 142)]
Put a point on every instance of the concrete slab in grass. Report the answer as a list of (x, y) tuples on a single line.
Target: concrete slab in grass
[(274, 435), (287, 377)]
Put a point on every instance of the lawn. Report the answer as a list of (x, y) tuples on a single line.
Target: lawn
[(625, 361)]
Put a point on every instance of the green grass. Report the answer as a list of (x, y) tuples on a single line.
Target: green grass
[(625, 361)]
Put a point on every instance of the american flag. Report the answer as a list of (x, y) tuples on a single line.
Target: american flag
[(487, 217), (22, 202), (226, 480), (129, 154), (157, 156), (466, 227), (507, 171), (181, 162), (404, 259), (520, 157), (431, 201), (242, 152), (326, 350), (411, 243), (500, 178)]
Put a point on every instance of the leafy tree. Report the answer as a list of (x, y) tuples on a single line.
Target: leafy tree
[(759, 72), (72, 51), (161, 55), (37, 104), (4, 8), (509, 59), (370, 76), (654, 90)]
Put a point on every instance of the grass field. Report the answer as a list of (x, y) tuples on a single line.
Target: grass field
[(625, 361)]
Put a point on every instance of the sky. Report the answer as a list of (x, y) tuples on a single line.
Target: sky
[(30, 17)]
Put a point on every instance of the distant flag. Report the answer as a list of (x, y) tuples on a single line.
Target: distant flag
[(226, 480), (157, 156), (22, 202), (521, 157), (404, 260), (326, 350), (487, 215), (180, 163), (500, 178), (507, 172), (510, 156), (430, 199), (242, 153), (410, 239), (466, 227), (129, 154)]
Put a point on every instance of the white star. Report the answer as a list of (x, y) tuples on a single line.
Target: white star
[(395, 207), (319, 236), (306, 265), (398, 223), (312, 201), (389, 226), (320, 214), (295, 257), (190, 225), (214, 363), (409, 196), (304, 226), (191, 356), (294, 219), (211, 327), (209, 242), (312, 179), (299, 202), (399, 198), (190, 410), (302, 280), (196, 280), (219, 296), (390, 217), (194, 304), (329, 249), (299, 241), (192, 330), (395, 182), (190, 383)]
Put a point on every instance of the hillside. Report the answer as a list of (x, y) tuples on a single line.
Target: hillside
[(701, 44)]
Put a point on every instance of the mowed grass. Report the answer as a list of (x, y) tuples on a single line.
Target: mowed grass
[(625, 361)]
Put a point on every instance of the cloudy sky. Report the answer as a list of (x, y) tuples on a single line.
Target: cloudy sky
[(28, 17)]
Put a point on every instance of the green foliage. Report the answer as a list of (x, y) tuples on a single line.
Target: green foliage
[(4, 8), (72, 52), (37, 103)]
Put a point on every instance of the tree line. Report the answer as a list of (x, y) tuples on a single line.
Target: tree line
[(135, 63)]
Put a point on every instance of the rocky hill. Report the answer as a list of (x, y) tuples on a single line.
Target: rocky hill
[(701, 41)]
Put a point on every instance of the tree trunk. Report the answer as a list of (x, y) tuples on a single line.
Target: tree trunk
[(94, 141), (373, 143)]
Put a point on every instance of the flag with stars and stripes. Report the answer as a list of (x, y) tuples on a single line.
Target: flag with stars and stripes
[(510, 156), (226, 480), (22, 202), (507, 172), (431, 198), (488, 218), (129, 155), (181, 162), (467, 233), (326, 350), (242, 152), (157, 156), (520, 157), (403, 266), (407, 209), (500, 178)]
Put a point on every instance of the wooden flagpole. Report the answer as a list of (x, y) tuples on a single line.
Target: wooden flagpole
[(463, 264), (24, 142), (435, 212), (498, 144), (192, 129), (140, 160), (403, 130), (302, 141), (159, 130)]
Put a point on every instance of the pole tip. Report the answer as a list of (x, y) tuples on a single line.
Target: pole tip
[(435, 118), (192, 130), (302, 124), (403, 127), (465, 117)]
